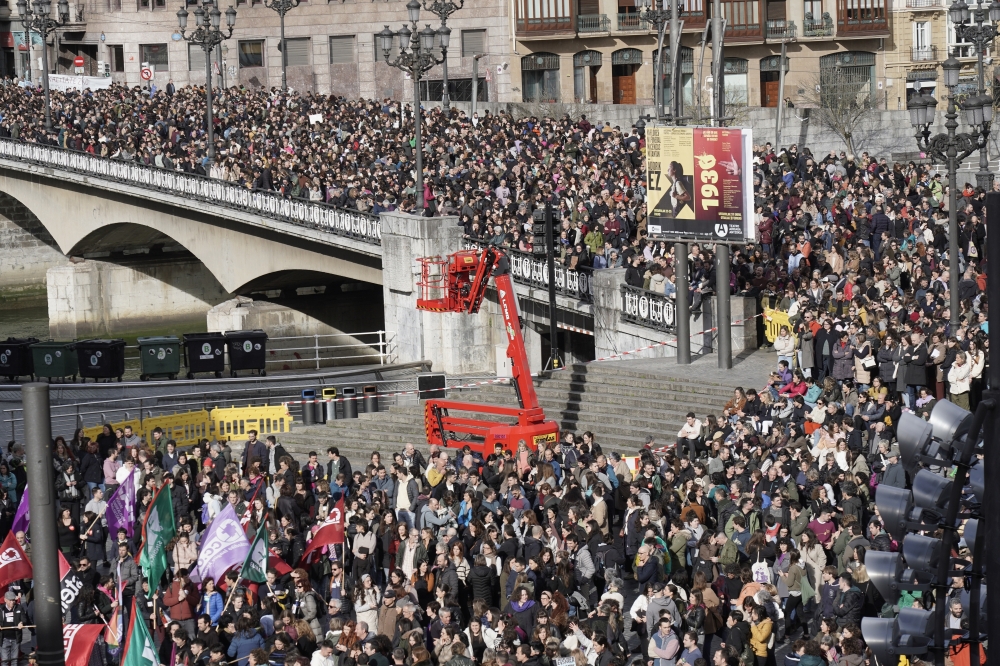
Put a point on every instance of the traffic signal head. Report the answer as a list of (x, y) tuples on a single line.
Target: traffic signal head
[(538, 231), (907, 634)]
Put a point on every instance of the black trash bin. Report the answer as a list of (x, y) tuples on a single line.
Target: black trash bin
[(350, 395), (204, 352), (330, 403), (319, 408), (247, 351), (16, 359), (308, 406), (101, 359), (371, 399)]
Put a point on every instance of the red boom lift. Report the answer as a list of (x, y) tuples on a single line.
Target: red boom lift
[(457, 283)]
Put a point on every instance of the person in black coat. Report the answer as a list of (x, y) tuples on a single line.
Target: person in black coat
[(823, 342), (483, 581), (916, 368)]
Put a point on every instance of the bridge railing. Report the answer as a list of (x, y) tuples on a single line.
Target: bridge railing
[(647, 308), (342, 222), (528, 269)]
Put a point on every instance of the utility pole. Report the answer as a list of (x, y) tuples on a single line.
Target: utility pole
[(682, 314), (781, 92), (718, 63), (44, 539), (550, 241), (991, 503), (722, 307), (475, 80)]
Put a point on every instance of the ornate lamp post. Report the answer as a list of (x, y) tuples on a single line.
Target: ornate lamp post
[(953, 147), (659, 18), (415, 58), (208, 34), (37, 18), (981, 33), (443, 9), (282, 7)]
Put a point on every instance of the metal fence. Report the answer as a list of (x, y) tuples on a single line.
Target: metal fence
[(647, 308), (342, 222), (534, 271), (68, 417)]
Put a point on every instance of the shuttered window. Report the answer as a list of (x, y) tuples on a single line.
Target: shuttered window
[(196, 58), (251, 53), (298, 52), (342, 50), (473, 42)]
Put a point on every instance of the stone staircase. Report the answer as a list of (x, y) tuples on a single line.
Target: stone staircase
[(620, 405)]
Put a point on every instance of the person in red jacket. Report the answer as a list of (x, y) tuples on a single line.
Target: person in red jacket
[(182, 600)]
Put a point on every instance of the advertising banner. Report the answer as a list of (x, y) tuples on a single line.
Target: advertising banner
[(698, 185)]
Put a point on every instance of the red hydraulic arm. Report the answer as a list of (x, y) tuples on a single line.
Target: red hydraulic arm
[(458, 284)]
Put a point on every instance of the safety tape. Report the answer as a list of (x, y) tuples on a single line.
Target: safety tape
[(502, 380), (573, 329)]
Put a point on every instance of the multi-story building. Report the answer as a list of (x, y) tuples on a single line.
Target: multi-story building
[(601, 51), (332, 46)]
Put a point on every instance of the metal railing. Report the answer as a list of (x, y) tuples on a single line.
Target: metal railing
[(342, 222), (68, 417), (919, 4), (780, 29), (820, 28), (593, 23), (630, 22), (534, 271), (923, 53), (647, 308)]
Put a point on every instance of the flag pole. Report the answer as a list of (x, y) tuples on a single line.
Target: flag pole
[(232, 592)]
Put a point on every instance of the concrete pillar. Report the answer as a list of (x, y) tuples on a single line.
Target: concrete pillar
[(533, 346), (453, 342)]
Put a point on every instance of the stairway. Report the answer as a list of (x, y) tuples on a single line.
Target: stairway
[(620, 405)]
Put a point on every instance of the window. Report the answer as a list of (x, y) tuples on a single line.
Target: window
[(540, 77), (473, 42), (812, 10), (154, 54), (342, 50), (459, 90), (117, 58), (196, 58), (297, 51), (251, 53)]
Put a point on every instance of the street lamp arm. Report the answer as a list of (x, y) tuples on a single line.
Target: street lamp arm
[(443, 9), (937, 146)]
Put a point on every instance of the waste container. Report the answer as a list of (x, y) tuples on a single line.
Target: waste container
[(204, 352), (308, 407), (101, 359), (350, 395), (370, 394), (159, 357), (15, 358), (247, 351), (431, 385), (319, 408), (330, 403), (55, 359)]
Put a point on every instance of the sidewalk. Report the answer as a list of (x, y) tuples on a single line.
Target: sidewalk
[(750, 370)]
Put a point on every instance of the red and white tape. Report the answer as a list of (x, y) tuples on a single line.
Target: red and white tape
[(501, 380)]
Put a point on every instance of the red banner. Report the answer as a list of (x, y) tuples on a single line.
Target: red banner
[(330, 533), (718, 165), (14, 564), (78, 641)]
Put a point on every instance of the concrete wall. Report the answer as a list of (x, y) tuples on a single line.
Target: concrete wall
[(27, 251), (96, 298)]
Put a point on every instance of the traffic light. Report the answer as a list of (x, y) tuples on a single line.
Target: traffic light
[(923, 520), (538, 247)]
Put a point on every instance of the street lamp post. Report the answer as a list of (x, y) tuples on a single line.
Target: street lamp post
[(37, 18), (980, 33), (282, 7), (415, 58), (953, 147), (443, 9), (659, 18), (207, 34)]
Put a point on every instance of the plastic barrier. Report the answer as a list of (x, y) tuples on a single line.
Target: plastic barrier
[(773, 321), (186, 429), (230, 422), (96, 430)]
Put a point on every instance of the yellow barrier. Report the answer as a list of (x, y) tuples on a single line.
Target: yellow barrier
[(186, 429), (773, 321), (96, 430), (230, 422)]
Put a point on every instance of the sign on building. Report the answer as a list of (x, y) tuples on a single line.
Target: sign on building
[(699, 185)]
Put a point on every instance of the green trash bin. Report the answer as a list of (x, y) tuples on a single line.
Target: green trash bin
[(159, 357), (55, 359)]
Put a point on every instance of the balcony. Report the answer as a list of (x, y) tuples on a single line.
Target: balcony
[(923, 53), (924, 4), (551, 18), (780, 30), (862, 18), (963, 51), (821, 28), (694, 15), (631, 22), (587, 23), (743, 21)]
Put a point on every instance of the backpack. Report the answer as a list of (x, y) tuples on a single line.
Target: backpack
[(748, 657), (603, 570), (729, 554), (321, 607)]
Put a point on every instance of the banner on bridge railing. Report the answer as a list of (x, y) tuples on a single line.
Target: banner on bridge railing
[(348, 223)]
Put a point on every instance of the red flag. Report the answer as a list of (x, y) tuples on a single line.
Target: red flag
[(275, 562), (79, 641), (330, 533), (14, 564), (245, 519)]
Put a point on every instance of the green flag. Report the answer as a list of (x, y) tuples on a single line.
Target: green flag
[(158, 530), (139, 647), (255, 566)]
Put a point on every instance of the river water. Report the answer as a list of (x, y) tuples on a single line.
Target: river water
[(30, 322)]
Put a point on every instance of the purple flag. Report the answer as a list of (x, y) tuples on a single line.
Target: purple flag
[(223, 546), (23, 515), (121, 507)]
